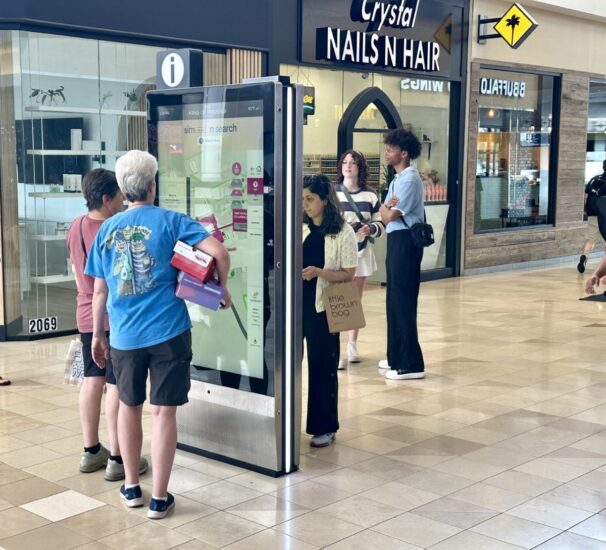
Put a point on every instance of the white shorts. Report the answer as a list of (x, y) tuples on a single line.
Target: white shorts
[(367, 264)]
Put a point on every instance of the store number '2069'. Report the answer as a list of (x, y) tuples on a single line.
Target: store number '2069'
[(43, 325)]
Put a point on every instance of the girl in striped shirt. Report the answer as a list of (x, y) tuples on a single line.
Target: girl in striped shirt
[(365, 219)]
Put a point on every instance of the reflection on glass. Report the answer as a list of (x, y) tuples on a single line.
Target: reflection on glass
[(514, 149)]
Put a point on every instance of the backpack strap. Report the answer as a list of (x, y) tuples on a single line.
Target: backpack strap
[(353, 204)]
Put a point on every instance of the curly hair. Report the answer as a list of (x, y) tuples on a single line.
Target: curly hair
[(405, 140), (361, 163), (95, 184), (332, 221)]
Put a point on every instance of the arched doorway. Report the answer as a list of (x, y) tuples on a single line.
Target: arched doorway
[(355, 132)]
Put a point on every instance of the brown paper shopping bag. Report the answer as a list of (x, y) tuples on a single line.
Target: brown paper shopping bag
[(343, 307)]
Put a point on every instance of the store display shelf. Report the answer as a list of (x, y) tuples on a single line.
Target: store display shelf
[(47, 238), (54, 195), (53, 279), (84, 111), (73, 153)]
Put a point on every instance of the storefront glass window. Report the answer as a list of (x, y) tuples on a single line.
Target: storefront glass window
[(596, 130), (514, 150), (77, 104), (424, 108)]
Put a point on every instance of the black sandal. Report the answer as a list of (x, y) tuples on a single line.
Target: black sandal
[(582, 262), (4, 382)]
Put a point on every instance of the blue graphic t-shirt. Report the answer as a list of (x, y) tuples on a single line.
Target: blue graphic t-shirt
[(132, 252)]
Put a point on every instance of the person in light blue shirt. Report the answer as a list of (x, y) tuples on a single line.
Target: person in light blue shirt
[(403, 207), (149, 325)]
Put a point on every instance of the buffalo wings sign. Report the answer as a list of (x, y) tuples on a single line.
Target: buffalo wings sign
[(403, 35)]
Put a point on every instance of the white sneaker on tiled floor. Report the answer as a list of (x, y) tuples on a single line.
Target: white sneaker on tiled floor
[(352, 352), (383, 364), (342, 364), (404, 375)]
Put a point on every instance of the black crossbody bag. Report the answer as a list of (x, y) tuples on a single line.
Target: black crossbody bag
[(420, 232)]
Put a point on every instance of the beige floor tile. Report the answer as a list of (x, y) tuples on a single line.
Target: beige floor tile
[(361, 511), (101, 522), (54, 470), (468, 540), (594, 527), (350, 480), (69, 446), (416, 530), (194, 544), (370, 540), (270, 540), (263, 483), (215, 468), (49, 537), (311, 494), (42, 435), (551, 469), (469, 469), (184, 480), (375, 444), (318, 529), (577, 496), (386, 468), (453, 512), (220, 529), (9, 443), (547, 512), (268, 510), (222, 495), (28, 456), (139, 537), (436, 482), (8, 474), (523, 483), (15, 521), (88, 484), (569, 541), (394, 495), (341, 455), (513, 530), (591, 480), (490, 497), (94, 546), (28, 490)]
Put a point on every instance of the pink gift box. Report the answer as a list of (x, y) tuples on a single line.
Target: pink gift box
[(208, 295)]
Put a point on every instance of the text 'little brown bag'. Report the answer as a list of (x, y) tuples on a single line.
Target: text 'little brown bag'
[(343, 307)]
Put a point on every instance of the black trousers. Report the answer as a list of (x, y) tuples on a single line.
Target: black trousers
[(403, 266), (323, 360)]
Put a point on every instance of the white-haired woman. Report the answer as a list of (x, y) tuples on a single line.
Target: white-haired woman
[(150, 326)]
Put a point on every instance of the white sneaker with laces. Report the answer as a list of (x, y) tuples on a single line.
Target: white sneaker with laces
[(383, 364), (352, 352), (404, 375), (342, 364)]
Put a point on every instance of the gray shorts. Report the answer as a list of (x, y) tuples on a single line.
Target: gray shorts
[(168, 364)]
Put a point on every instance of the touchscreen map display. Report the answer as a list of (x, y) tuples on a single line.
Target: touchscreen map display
[(210, 159)]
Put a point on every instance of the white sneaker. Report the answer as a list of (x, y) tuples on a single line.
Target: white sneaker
[(383, 364), (352, 352), (404, 375), (342, 364)]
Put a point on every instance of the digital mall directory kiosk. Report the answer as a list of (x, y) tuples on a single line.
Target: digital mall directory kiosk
[(231, 157)]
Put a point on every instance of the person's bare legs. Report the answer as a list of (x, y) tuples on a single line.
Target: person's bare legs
[(164, 444), (130, 437), (112, 404), (588, 246), (89, 403)]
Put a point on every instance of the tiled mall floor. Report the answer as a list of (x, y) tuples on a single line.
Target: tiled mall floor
[(503, 445)]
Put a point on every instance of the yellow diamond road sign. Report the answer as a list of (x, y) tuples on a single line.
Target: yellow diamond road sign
[(515, 26)]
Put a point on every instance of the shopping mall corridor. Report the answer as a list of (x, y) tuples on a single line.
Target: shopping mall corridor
[(502, 446)]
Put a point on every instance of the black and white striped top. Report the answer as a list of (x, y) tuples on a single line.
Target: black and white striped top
[(368, 204)]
